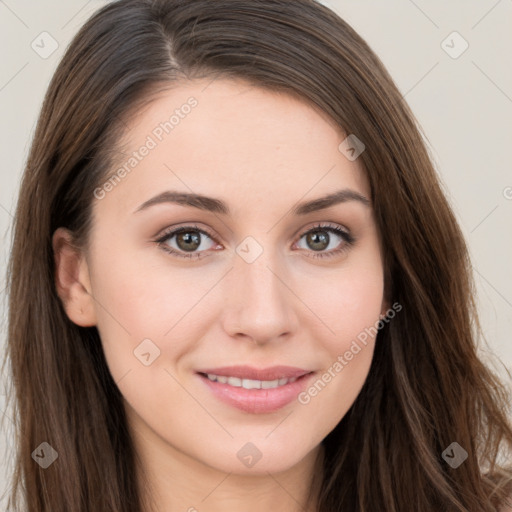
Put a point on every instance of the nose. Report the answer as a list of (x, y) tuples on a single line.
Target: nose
[(259, 304)]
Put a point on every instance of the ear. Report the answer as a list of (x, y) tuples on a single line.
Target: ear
[(72, 279)]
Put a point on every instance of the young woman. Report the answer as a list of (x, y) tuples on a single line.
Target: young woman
[(235, 282)]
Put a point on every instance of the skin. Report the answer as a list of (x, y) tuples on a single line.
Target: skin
[(261, 152)]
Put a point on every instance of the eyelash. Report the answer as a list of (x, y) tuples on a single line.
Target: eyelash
[(349, 240)]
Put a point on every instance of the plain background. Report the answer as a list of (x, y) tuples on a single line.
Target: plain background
[(463, 102)]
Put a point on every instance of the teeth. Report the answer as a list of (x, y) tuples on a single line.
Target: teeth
[(234, 381), (267, 384), (250, 383)]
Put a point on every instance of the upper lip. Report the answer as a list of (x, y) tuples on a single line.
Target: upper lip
[(248, 372)]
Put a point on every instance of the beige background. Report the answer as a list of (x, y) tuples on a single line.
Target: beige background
[(464, 105)]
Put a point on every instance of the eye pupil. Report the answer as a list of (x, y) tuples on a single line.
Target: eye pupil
[(318, 237), (187, 238)]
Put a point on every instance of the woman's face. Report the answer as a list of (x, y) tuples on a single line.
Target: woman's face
[(246, 288)]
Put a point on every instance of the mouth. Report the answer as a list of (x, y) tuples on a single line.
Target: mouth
[(236, 382), (256, 391)]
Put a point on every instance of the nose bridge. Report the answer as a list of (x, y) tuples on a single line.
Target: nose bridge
[(261, 281), (259, 303)]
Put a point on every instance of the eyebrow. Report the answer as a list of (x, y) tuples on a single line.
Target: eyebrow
[(213, 205)]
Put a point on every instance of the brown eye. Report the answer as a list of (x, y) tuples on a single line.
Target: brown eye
[(321, 237), (317, 240), (189, 239)]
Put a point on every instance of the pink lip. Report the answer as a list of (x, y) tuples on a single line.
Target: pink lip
[(258, 401), (248, 372)]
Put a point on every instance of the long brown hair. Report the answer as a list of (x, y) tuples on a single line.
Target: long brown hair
[(426, 387)]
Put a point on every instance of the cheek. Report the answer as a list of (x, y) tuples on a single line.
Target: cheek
[(348, 302), (145, 306), (352, 313), (349, 305), (133, 302), (334, 390)]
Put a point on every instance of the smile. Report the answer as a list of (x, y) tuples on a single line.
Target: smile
[(255, 391), (250, 383)]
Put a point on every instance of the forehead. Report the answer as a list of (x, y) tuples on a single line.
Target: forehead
[(227, 138)]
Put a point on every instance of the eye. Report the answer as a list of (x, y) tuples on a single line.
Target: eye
[(318, 239), (189, 239)]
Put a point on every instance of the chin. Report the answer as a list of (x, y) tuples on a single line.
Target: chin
[(260, 458)]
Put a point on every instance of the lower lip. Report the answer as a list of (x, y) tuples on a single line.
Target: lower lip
[(257, 401)]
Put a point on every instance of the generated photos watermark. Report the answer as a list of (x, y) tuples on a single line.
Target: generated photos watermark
[(343, 360), (152, 140)]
